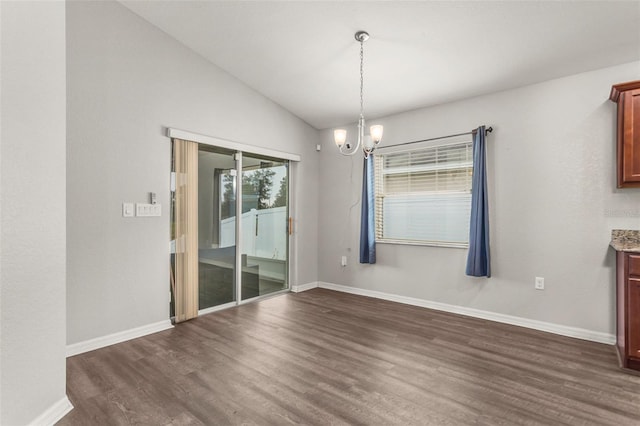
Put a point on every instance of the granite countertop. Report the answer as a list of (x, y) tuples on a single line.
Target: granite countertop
[(625, 240)]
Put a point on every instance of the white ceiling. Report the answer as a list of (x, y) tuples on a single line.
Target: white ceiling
[(303, 56)]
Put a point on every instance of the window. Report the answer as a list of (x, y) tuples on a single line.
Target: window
[(423, 194)]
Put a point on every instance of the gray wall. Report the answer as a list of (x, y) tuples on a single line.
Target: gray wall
[(32, 210), (553, 203), (127, 80)]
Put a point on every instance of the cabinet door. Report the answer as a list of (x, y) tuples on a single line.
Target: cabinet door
[(629, 127), (633, 318)]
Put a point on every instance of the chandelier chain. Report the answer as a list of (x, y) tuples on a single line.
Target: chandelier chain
[(361, 77)]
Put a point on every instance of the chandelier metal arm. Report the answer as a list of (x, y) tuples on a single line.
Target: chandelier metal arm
[(349, 153), (368, 143)]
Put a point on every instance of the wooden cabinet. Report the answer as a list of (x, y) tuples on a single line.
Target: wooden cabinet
[(628, 304), (627, 96)]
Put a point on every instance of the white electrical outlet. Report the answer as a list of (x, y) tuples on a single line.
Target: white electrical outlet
[(148, 210), (343, 261), (539, 285)]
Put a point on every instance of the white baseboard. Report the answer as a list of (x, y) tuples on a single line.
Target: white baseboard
[(121, 336), (54, 413), (304, 287), (563, 330)]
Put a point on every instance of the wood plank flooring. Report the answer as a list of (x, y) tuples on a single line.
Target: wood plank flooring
[(327, 358)]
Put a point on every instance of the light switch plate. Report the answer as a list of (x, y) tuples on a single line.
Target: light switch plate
[(127, 210)]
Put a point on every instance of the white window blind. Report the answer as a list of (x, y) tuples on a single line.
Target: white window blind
[(423, 195)]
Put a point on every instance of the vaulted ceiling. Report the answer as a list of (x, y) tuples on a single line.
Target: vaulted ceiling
[(303, 55)]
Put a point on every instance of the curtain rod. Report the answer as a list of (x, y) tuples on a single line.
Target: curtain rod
[(487, 130)]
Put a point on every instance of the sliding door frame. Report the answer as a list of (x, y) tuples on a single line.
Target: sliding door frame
[(238, 156), (239, 149), (231, 145)]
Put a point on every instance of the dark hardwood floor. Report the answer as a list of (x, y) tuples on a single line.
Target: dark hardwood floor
[(324, 358)]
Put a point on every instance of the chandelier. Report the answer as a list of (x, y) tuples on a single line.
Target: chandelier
[(370, 141)]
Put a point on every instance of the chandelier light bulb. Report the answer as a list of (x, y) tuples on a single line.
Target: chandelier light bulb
[(376, 133), (340, 136), (368, 144)]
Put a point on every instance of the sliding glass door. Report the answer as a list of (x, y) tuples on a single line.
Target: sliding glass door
[(216, 227), (265, 215), (230, 217)]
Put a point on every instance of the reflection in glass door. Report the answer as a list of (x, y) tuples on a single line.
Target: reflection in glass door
[(265, 213), (216, 226)]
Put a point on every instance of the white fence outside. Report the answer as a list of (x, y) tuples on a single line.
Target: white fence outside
[(264, 233)]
